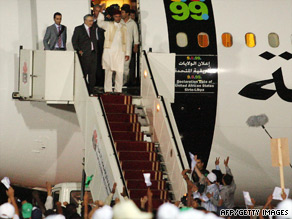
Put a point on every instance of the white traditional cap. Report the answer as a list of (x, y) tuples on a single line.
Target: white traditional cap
[(7, 210), (191, 213), (212, 177), (106, 212), (167, 211), (211, 216), (56, 216), (285, 205), (128, 209)]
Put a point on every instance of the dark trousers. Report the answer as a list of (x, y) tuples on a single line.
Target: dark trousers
[(88, 63), (99, 70)]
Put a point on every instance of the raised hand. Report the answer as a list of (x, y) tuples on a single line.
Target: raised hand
[(114, 188), (143, 200), (10, 192), (217, 161), (283, 195), (269, 199), (226, 161), (124, 194), (185, 171), (103, 7)]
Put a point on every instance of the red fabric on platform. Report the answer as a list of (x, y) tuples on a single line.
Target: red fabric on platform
[(135, 155)]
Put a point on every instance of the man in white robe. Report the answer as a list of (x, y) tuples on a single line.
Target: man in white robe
[(117, 50), (132, 28)]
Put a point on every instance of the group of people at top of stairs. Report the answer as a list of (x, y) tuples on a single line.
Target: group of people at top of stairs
[(208, 192), (104, 43)]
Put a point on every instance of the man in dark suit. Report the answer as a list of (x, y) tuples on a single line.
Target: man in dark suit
[(85, 43), (56, 35), (100, 42)]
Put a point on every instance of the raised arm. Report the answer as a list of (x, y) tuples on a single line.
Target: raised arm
[(100, 19), (200, 175), (49, 201), (10, 195), (217, 162), (228, 170), (149, 196), (111, 195)]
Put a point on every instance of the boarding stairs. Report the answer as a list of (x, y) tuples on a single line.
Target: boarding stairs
[(124, 136)]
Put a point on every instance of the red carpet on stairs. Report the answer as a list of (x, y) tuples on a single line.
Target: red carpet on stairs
[(136, 156)]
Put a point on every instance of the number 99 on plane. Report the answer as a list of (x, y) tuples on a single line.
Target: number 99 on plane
[(198, 10)]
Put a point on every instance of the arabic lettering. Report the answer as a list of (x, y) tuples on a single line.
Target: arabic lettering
[(256, 91)]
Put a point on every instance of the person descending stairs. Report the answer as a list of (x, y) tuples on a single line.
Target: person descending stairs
[(136, 155)]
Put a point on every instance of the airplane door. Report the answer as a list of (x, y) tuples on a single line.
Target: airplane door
[(25, 73)]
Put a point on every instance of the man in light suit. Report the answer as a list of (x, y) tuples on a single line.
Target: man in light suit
[(56, 35)]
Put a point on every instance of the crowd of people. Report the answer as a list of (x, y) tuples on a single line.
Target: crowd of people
[(104, 43), (207, 194)]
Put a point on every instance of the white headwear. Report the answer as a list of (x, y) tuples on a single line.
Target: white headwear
[(285, 205), (106, 212), (7, 210), (56, 216), (191, 213), (211, 216), (128, 209), (167, 211), (212, 177)]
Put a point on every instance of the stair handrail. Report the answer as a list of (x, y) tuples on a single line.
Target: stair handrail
[(113, 145), (165, 108)]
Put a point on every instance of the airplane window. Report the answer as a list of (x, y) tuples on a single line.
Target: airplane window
[(203, 40), (274, 40), (227, 39), (250, 40), (182, 39)]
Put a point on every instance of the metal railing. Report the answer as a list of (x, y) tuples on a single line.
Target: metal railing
[(165, 108), (113, 144)]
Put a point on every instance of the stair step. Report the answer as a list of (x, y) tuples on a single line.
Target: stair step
[(157, 194), (119, 108), (134, 146), (140, 165), (137, 101), (138, 174), (116, 99), (128, 136), (137, 156), (140, 184), (121, 117), (122, 126)]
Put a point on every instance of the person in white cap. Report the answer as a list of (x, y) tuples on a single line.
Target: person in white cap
[(191, 213), (8, 210), (212, 192), (128, 209), (105, 212), (56, 216), (167, 211), (287, 206)]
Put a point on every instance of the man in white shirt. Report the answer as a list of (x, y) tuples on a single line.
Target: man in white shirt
[(116, 50), (134, 36)]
